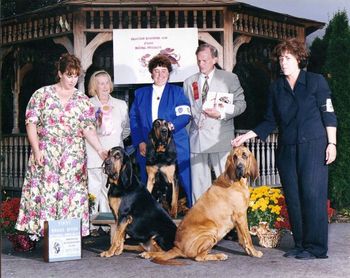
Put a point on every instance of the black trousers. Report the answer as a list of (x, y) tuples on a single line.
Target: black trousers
[(304, 178)]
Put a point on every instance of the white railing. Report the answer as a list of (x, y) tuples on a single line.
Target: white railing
[(265, 154), (15, 151)]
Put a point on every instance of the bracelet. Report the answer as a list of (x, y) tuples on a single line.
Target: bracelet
[(332, 144)]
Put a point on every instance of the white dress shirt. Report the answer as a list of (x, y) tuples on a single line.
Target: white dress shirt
[(156, 97)]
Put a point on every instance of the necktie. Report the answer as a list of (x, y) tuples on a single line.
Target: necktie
[(205, 89)]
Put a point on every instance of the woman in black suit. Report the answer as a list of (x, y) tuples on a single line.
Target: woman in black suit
[(300, 105)]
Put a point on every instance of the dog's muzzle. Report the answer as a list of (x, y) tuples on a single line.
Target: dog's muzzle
[(239, 170), (109, 167), (164, 132), (109, 164)]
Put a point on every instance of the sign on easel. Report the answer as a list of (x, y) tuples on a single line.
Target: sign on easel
[(62, 240)]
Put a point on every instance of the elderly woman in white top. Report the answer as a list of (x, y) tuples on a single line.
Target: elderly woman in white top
[(112, 122)]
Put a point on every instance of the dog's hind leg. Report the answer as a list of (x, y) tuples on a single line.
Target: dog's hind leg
[(244, 237), (202, 248), (118, 239)]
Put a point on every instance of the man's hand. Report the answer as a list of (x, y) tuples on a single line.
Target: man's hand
[(212, 113)]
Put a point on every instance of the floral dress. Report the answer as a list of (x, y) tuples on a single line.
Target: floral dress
[(58, 189)]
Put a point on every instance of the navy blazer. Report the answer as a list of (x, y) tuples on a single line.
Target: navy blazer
[(302, 114)]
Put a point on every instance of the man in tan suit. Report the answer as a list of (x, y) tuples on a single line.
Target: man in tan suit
[(216, 97)]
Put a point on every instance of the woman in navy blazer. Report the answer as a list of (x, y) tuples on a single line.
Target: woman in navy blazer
[(168, 102), (300, 105)]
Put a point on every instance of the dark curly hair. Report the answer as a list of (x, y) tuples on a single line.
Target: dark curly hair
[(159, 61), (68, 63), (295, 47)]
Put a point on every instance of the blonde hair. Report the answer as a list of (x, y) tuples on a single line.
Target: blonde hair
[(92, 90)]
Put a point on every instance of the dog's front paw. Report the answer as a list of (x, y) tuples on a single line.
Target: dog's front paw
[(145, 255), (106, 254), (222, 257), (258, 254), (118, 251)]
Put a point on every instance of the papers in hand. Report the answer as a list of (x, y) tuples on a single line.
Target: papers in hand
[(223, 102)]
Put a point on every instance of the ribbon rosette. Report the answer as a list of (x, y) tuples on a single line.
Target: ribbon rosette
[(195, 90)]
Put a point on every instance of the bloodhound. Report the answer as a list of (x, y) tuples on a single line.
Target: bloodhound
[(161, 165), (222, 207), (136, 211)]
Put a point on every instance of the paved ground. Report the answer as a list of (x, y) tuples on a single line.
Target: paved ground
[(272, 264)]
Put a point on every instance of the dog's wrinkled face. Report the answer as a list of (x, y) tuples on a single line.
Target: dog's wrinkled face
[(160, 135), (114, 162), (161, 129), (241, 163)]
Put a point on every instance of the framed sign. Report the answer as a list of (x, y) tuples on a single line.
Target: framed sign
[(133, 48), (62, 240)]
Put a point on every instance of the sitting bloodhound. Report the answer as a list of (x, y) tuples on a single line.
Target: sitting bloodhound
[(161, 165), (222, 207), (136, 211)]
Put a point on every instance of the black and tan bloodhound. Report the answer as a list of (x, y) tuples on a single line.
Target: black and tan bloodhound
[(137, 213), (222, 207), (161, 166)]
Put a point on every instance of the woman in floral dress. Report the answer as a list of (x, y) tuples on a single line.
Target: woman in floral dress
[(58, 118)]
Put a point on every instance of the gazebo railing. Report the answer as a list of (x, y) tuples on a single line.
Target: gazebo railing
[(15, 150)]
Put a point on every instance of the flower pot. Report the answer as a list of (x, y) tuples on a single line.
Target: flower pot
[(21, 242), (268, 238)]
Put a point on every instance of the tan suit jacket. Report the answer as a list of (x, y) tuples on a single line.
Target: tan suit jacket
[(208, 135)]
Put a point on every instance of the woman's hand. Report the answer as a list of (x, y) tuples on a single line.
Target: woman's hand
[(38, 157), (142, 148), (239, 140), (102, 154), (331, 153)]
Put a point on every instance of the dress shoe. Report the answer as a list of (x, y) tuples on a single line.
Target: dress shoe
[(305, 255), (292, 253)]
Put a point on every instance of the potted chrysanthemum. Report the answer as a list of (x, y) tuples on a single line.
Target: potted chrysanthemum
[(267, 214)]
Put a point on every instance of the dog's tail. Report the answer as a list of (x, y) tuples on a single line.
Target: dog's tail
[(166, 258), (168, 262)]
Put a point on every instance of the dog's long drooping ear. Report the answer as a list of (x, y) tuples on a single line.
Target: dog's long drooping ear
[(230, 167), (253, 169), (127, 172)]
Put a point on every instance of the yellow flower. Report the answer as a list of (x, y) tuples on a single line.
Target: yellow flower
[(263, 205), (92, 197)]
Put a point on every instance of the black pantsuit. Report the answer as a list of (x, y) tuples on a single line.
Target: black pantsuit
[(302, 116), (304, 176)]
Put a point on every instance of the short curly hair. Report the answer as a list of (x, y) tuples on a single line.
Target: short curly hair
[(68, 63), (159, 61), (295, 47)]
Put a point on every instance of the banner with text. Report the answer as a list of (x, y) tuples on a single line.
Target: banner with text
[(133, 48)]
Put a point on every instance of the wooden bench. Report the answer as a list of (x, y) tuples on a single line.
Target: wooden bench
[(107, 218)]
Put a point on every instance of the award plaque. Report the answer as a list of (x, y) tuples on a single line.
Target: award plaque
[(62, 240)]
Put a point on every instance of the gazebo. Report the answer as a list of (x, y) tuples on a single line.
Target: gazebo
[(243, 34)]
